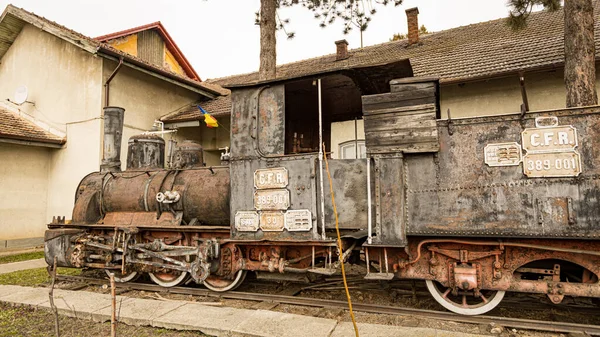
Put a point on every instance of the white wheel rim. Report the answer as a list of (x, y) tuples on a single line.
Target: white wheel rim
[(122, 279), (168, 284), (492, 302), (237, 281)]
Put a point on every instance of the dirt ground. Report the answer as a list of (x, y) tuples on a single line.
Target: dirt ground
[(21, 321)]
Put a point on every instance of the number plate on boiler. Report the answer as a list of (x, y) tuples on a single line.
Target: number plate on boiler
[(272, 221), (559, 164), (298, 220), (275, 200), (246, 221), (276, 177), (550, 139)]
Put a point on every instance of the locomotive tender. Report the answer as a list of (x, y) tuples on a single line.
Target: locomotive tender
[(474, 207)]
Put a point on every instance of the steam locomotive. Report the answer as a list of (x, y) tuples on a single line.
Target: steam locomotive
[(475, 207)]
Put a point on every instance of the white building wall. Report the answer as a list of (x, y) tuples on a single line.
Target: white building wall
[(65, 88), (24, 181)]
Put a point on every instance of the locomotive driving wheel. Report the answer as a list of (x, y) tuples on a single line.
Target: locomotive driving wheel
[(170, 278), (219, 284), (465, 303), (122, 278)]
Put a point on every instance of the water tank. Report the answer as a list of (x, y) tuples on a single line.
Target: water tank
[(187, 155), (145, 152)]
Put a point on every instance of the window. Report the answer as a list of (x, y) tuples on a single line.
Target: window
[(348, 149)]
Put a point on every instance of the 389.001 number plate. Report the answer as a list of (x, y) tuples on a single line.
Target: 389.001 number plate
[(274, 200), (558, 164)]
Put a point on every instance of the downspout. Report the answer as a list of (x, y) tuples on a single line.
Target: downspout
[(107, 83), (525, 106)]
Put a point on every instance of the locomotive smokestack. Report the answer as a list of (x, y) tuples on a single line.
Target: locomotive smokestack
[(113, 132)]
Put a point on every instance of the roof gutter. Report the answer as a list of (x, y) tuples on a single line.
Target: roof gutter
[(33, 142), (163, 75)]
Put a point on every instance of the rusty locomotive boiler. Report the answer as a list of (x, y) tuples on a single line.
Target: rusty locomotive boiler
[(475, 207)]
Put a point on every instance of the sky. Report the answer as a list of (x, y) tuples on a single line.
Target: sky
[(219, 37)]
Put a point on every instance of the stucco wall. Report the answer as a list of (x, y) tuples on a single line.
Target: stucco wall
[(24, 181), (64, 83), (145, 99), (545, 90), (343, 132)]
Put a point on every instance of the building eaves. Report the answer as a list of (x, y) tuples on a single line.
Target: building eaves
[(15, 127), (218, 107), (14, 18)]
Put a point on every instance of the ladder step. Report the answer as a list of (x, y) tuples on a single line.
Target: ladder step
[(323, 271), (379, 276)]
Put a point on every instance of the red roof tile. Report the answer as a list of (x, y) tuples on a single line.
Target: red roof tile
[(218, 107), (13, 126), (481, 50)]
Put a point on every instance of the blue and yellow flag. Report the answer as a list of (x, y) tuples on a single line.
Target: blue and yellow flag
[(210, 121)]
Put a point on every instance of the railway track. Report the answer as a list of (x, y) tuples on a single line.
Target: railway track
[(562, 327)]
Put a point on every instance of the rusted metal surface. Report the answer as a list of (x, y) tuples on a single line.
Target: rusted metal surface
[(188, 154), (57, 244), (390, 211), (504, 265), (204, 197), (270, 120), (300, 188), (455, 193), (113, 132), (350, 189), (145, 152)]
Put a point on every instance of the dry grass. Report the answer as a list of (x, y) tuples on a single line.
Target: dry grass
[(20, 321)]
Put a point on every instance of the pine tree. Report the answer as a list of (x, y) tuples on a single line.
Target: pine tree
[(354, 13), (580, 53)]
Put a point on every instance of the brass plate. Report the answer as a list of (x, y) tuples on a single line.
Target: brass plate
[(271, 178), (556, 164), (246, 221), (550, 139), (503, 154), (272, 221), (298, 220), (273, 200)]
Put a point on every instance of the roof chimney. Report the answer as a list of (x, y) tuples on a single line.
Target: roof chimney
[(412, 18), (342, 50)]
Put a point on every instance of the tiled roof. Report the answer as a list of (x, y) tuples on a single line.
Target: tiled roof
[(485, 49), (11, 13), (218, 107), (16, 127)]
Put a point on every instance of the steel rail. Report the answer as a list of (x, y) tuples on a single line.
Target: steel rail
[(519, 323)]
